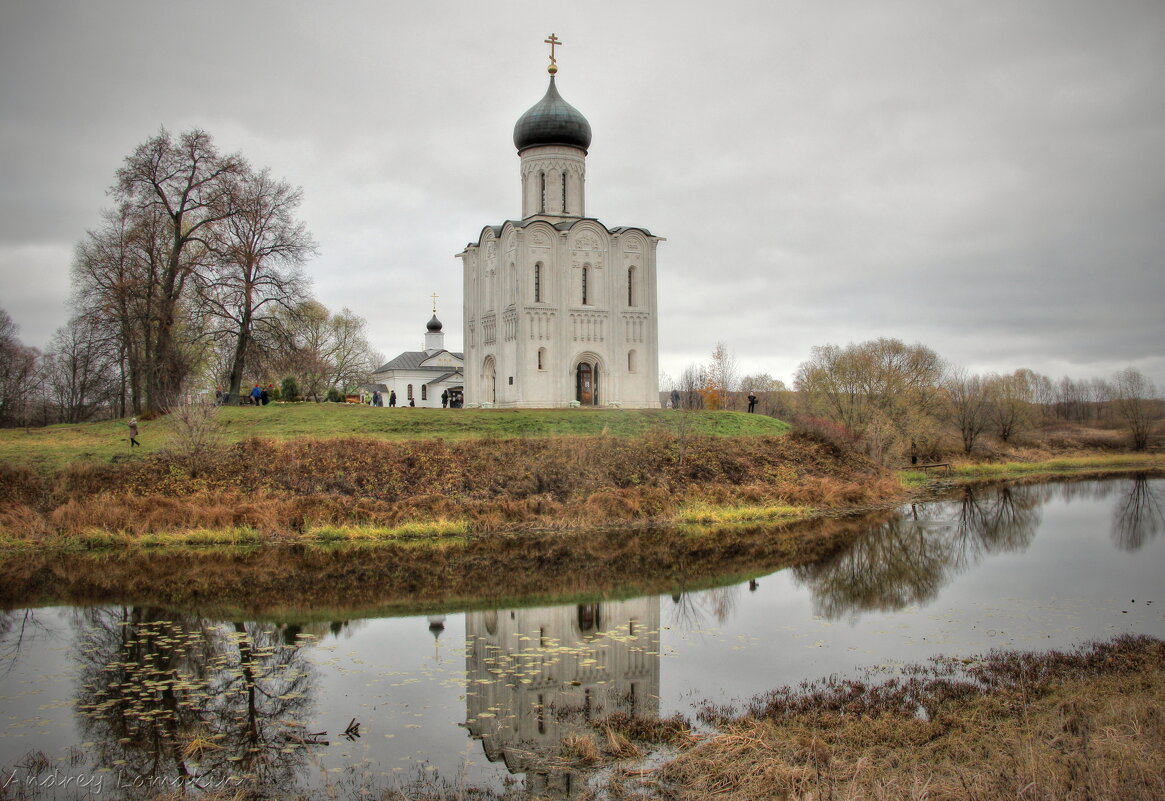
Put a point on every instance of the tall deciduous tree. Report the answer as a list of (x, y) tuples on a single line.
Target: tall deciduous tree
[(114, 290), (80, 372), (970, 405), (1011, 402), (260, 249), (19, 374), (184, 185), (1136, 402)]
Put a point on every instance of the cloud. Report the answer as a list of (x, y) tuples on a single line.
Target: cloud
[(982, 178)]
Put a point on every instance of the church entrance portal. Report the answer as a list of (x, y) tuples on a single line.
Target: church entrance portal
[(586, 380), (490, 375)]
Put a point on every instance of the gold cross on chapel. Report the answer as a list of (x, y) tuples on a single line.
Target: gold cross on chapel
[(552, 41), (434, 296)]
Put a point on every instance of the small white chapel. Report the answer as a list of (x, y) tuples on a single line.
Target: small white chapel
[(560, 310), (422, 376)]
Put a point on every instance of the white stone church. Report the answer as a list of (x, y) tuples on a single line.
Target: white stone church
[(560, 310)]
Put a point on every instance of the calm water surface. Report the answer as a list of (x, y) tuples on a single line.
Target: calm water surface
[(117, 697)]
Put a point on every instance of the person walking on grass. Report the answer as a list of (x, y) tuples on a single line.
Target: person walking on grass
[(133, 433), (256, 395)]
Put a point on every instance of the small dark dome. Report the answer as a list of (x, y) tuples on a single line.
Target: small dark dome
[(434, 324), (552, 121)]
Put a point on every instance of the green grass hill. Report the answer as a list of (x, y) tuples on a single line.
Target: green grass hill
[(52, 447)]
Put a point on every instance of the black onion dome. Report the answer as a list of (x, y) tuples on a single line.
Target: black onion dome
[(434, 324), (552, 121)]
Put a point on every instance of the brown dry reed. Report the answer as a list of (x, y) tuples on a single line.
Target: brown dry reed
[(1063, 726), (284, 488)]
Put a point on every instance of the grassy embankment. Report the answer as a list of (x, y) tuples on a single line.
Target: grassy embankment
[(334, 473), (412, 474), (55, 447), (1094, 464)]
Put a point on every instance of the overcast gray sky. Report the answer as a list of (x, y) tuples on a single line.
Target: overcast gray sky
[(984, 177)]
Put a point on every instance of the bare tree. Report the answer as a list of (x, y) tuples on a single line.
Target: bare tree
[(884, 391), (692, 382), (1011, 403), (19, 375), (324, 350), (260, 250), (721, 378), (1135, 400), (80, 373), (970, 405), (114, 273), (185, 186), (1042, 389)]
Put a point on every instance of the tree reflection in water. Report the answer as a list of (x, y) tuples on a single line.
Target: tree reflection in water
[(1138, 516), (691, 610), (169, 699), (908, 559)]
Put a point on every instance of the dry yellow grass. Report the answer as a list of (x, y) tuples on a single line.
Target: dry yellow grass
[(1060, 727)]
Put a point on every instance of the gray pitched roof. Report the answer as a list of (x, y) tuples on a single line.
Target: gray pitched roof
[(411, 360)]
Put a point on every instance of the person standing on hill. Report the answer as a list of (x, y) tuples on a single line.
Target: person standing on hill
[(751, 402), (133, 433), (392, 399)]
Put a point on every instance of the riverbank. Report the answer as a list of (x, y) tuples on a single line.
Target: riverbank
[(1048, 726), (260, 491), (639, 470)]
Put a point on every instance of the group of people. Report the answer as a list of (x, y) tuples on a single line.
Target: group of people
[(378, 399), (448, 401)]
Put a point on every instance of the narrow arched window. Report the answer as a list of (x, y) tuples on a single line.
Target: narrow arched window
[(631, 361), (630, 286), (538, 283), (564, 193), (410, 390), (585, 272), (541, 358), (424, 391), (542, 191)]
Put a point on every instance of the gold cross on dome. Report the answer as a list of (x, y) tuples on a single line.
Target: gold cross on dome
[(552, 41), (434, 296)]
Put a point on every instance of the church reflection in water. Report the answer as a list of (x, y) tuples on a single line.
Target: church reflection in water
[(538, 676)]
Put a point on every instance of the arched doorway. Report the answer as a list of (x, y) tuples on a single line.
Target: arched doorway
[(586, 384), (489, 380)]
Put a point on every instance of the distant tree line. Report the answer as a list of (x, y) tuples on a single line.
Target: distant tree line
[(899, 401), (192, 285)]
